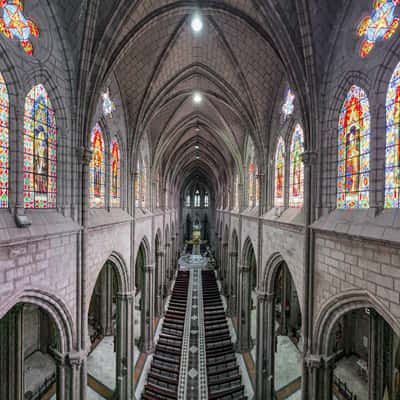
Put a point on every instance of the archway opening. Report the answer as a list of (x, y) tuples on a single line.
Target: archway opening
[(103, 331), (286, 331), (29, 349), (363, 349), (139, 313)]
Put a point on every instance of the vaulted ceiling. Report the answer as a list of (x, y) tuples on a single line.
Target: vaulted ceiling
[(245, 52)]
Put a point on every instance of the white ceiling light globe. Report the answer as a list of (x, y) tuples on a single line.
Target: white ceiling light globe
[(196, 24), (197, 98)]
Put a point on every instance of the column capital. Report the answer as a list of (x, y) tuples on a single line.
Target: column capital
[(244, 268), (160, 254), (167, 244), (309, 158), (126, 296), (313, 360), (233, 254), (76, 359), (84, 155), (149, 268), (265, 296)]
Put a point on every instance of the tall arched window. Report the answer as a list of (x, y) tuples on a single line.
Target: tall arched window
[(257, 187), (115, 175), (251, 183), (296, 188), (206, 201), (39, 150), (353, 151), (143, 186), (158, 191), (237, 191), (97, 175), (392, 173), (137, 185), (187, 200), (3, 143), (197, 198), (280, 173)]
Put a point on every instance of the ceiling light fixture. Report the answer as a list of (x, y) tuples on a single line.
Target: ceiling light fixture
[(197, 23), (197, 98)]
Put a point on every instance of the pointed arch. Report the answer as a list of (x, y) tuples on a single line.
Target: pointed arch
[(4, 153), (296, 183), (353, 151), (40, 153)]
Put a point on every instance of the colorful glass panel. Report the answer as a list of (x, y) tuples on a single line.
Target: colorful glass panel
[(158, 191), (39, 150), (97, 169), (14, 25), (257, 188), (380, 25), (392, 172), (108, 104), (115, 175), (280, 173), (143, 187), (251, 183), (3, 143), (206, 200), (288, 105), (296, 193), (353, 151), (137, 185)]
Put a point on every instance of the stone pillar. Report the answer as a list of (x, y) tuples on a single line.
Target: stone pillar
[(320, 371), (160, 283), (225, 269), (265, 343), (283, 328), (106, 300), (375, 356), (232, 283), (244, 339), (148, 305), (125, 367), (168, 269), (12, 355), (76, 378)]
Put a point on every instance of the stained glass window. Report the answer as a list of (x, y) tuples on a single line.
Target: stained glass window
[(288, 105), (188, 200), (143, 186), (158, 191), (392, 179), (108, 104), (257, 187), (14, 24), (296, 189), (115, 175), (280, 173), (206, 200), (197, 199), (353, 151), (380, 25), (251, 183), (39, 150), (137, 185), (97, 170), (3, 143)]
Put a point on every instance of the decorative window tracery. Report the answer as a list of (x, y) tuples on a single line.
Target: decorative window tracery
[(97, 169), (280, 173), (39, 150), (115, 175), (4, 110), (353, 151), (296, 186)]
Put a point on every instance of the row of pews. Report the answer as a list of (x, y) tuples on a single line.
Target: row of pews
[(163, 377), (223, 374)]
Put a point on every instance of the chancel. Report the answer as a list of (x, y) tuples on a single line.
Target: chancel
[(199, 200)]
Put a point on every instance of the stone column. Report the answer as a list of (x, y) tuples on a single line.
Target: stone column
[(265, 343), (106, 300), (309, 159), (160, 283), (283, 328), (244, 339), (148, 305), (76, 378), (125, 368), (320, 371), (168, 269), (225, 269), (375, 356), (12, 355), (232, 283)]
